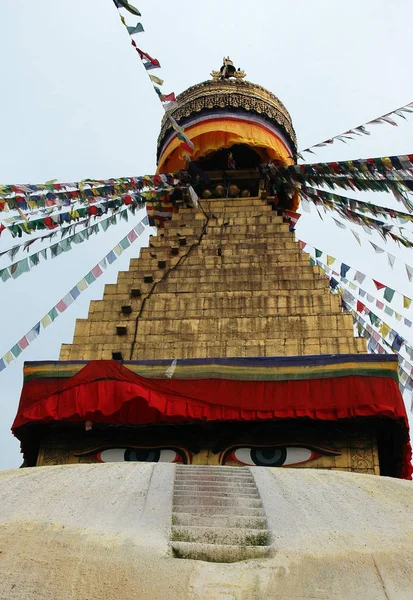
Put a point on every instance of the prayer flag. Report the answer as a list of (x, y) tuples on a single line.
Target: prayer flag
[(343, 270), (16, 350), (82, 285), (2, 364), (97, 271), (406, 302), (46, 321), (61, 306), (168, 97), (409, 271), (90, 278), (53, 314), (138, 28), (75, 292), (111, 257), (156, 80), (129, 8), (23, 343), (384, 330), (379, 285), (388, 294), (330, 260)]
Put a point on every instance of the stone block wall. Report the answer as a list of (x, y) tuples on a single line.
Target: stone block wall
[(233, 283)]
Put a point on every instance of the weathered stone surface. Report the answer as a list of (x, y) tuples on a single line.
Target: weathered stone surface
[(99, 532), (240, 287)]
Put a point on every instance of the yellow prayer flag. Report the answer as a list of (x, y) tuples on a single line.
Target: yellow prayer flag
[(406, 302), (330, 260), (82, 285), (8, 357), (384, 330), (46, 321)]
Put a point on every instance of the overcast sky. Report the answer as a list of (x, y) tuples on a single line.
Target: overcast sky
[(76, 103)]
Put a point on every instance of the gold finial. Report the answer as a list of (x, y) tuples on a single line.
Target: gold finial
[(227, 71)]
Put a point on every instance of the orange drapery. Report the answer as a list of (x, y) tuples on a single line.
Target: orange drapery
[(215, 134)]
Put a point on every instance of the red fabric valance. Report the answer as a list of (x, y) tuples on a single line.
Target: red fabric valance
[(107, 392)]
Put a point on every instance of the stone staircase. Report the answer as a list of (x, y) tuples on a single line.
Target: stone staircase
[(217, 515)]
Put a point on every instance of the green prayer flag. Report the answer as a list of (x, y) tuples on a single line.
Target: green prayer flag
[(53, 314), (138, 28), (388, 294), (55, 250), (4, 274), (312, 261), (66, 245), (105, 224), (34, 259), (318, 253), (373, 318), (43, 253), (125, 243), (21, 267), (389, 311), (90, 278), (16, 350)]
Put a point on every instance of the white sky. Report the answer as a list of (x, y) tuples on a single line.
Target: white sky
[(75, 102)]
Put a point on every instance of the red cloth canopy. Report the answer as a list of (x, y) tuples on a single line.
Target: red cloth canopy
[(108, 392)]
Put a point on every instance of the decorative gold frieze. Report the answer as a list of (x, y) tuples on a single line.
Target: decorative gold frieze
[(230, 93)]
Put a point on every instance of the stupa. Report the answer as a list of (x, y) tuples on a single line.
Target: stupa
[(222, 352)]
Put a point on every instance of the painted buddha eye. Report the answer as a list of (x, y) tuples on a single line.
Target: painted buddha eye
[(272, 456), (170, 455)]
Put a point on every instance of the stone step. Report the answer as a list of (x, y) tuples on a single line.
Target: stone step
[(230, 520), (230, 492), (218, 470), (202, 481), (214, 485), (213, 500), (211, 480), (219, 535), (219, 509), (218, 552)]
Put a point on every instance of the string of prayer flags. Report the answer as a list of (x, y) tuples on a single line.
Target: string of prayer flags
[(44, 196), (342, 271), (331, 200), (395, 341), (147, 60), (16, 269), (374, 346), (168, 100), (74, 293), (361, 130)]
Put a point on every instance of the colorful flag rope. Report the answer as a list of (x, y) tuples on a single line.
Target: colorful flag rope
[(168, 101), (74, 293), (333, 200), (28, 197), (361, 129), (25, 265), (358, 275)]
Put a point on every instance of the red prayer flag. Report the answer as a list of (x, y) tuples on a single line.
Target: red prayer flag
[(379, 285), (61, 306), (360, 306), (23, 343), (167, 97)]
